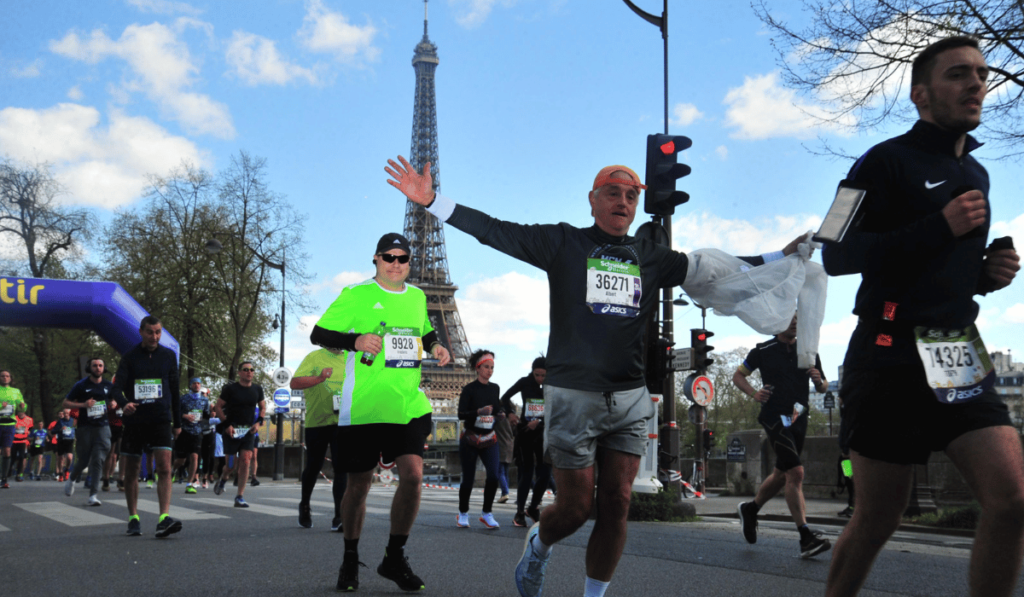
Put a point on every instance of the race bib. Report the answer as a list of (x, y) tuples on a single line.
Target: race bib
[(534, 409), (337, 402), (613, 288), (68, 432), (198, 414), (240, 432), (98, 410), (148, 391), (37, 442), (120, 412), (19, 431), (484, 422), (955, 362), (403, 348), (6, 411)]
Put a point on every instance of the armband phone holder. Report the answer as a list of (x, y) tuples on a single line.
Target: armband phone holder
[(844, 207)]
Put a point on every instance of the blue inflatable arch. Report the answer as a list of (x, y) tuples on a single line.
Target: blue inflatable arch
[(103, 307)]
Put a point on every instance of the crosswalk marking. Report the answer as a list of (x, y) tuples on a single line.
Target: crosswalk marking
[(177, 511), (329, 506), (3, 528), (260, 508), (69, 515)]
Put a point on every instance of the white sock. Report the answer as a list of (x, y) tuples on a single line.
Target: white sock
[(595, 588), (539, 546)]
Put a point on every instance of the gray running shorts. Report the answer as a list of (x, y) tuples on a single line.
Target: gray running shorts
[(577, 423)]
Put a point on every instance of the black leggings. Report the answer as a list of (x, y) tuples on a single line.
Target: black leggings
[(317, 441), (529, 456), (206, 454)]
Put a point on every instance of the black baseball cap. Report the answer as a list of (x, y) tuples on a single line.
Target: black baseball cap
[(393, 240)]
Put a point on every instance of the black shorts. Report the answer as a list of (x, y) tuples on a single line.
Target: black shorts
[(362, 446), (19, 450), (233, 446), (894, 416), (34, 451), (186, 444), (140, 438), (65, 446), (788, 442), (116, 431)]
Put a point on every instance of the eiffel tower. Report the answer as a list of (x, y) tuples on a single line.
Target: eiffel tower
[(429, 265)]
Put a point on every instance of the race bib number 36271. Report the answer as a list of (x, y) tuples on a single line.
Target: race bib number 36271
[(955, 362), (613, 288)]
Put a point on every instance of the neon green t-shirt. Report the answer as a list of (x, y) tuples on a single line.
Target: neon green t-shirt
[(389, 390), (10, 400), (320, 398)]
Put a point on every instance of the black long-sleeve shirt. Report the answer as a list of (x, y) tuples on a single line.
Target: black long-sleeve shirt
[(476, 395), (138, 365), (532, 393)]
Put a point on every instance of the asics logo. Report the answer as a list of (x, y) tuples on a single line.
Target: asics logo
[(932, 185), (613, 310), (964, 394)]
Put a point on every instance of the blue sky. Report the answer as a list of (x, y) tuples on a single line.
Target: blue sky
[(533, 98)]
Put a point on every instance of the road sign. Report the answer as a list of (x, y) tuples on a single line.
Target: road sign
[(736, 452), (697, 414), (829, 401), (298, 405), (682, 359), (282, 398), (699, 389), (282, 376)]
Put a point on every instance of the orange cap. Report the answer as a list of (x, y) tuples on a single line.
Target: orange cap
[(605, 177)]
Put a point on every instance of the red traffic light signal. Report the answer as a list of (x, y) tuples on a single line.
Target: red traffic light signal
[(661, 196)]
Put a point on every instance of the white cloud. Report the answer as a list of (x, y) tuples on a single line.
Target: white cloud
[(705, 230), (1014, 228), (722, 152), (762, 109), (511, 310), (987, 317), (163, 68), (331, 33), (75, 93), (837, 333), (685, 114), (340, 281), (28, 71), (164, 7), (726, 343), (106, 167), (256, 61), (470, 13), (1015, 314)]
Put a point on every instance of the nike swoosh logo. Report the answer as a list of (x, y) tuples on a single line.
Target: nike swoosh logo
[(932, 185)]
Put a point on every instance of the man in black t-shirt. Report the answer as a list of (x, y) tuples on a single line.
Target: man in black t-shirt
[(93, 397), (236, 409), (783, 397)]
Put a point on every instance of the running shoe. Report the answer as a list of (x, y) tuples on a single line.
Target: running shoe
[(488, 519), (846, 513), (519, 520), (305, 516), (814, 545), (254, 482), (530, 571), (120, 485), (149, 484), (336, 526), (4, 485), (106, 485), (748, 522), (19, 478), (69, 487), (462, 520), (218, 487), (398, 570), (502, 499), (191, 489), (348, 574), (167, 526), (205, 485), (240, 502), (134, 527), (93, 501), (533, 512)]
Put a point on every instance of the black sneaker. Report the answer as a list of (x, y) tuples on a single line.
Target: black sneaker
[(846, 513), (348, 574), (167, 526), (748, 522), (534, 513), (519, 520), (305, 516), (398, 570), (336, 526), (134, 527), (813, 545), (106, 485), (254, 482)]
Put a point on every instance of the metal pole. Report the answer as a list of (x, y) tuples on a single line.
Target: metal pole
[(279, 440)]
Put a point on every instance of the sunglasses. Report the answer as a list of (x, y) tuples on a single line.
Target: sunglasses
[(248, 369), (389, 258)]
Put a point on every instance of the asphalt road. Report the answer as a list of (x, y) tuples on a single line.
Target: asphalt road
[(54, 545)]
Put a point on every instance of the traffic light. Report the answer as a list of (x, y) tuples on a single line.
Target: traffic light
[(699, 343), (660, 365), (709, 439), (661, 196)]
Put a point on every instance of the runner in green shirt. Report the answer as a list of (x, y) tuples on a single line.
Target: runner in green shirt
[(382, 413), (10, 402)]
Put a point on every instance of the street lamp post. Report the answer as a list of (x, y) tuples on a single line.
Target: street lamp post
[(214, 246)]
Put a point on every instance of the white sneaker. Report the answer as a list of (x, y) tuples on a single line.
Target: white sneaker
[(93, 501), (531, 568), (488, 519), (463, 520), (69, 487)]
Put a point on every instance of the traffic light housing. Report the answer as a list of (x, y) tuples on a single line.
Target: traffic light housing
[(709, 439), (659, 368), (661, 196), (699, 344)]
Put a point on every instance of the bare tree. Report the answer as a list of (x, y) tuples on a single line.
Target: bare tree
[(854, 57), (48, 232)]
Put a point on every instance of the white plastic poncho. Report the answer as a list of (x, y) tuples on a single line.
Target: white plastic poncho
[(764, 297)]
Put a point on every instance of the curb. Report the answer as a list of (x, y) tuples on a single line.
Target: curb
[(836, 521)]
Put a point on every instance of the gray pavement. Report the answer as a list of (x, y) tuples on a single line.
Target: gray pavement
[(54, 545)]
